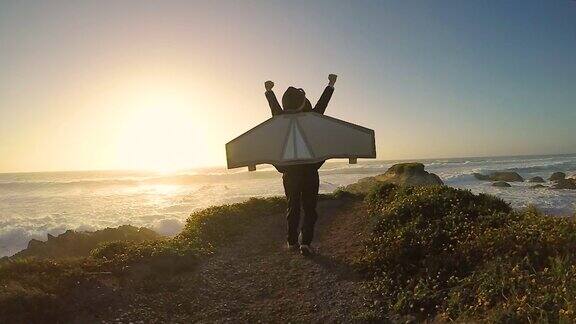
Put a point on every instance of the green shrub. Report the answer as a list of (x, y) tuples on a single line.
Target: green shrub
[(444, 252), (219, 224)]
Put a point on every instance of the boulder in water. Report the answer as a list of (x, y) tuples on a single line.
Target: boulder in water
[(557, 176), (501, 184), (480, 176), (507, 176), (537, 180)]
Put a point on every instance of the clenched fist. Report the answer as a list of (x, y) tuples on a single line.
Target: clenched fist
[(268, 85), (332, 79)]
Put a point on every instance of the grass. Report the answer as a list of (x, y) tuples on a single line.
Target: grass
[(438, 253)]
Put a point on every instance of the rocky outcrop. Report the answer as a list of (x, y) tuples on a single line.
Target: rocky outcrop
[(501, 184), (77, 244), (409, 174), (557, 176), (537, 180), (568, 183), (403, 174)]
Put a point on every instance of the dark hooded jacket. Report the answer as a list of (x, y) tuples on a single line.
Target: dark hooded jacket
[(319, 108)]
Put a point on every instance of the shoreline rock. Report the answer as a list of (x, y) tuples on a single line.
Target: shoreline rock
[(537, 180), (501, 184)]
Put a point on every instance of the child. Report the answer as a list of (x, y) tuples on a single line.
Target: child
[(301, 181)]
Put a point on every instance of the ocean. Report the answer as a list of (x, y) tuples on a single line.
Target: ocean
[(35, 204)]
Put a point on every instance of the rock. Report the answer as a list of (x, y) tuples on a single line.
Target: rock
[(481, 176), (67, 234), (409, 174), (507, 176), (501, 184), (78, 244), (34, 243), (557, 176), (565, 184), (403, 174), (537, 180), (538, 186)]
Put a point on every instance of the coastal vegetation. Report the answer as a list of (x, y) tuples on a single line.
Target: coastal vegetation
[(442, 253)]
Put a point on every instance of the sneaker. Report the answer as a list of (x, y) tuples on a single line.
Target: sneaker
[(306, 250), (292, 247)]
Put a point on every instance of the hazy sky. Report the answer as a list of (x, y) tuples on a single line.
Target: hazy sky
[(165, 84)]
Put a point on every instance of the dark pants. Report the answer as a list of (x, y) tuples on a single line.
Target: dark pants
[(301, 188)]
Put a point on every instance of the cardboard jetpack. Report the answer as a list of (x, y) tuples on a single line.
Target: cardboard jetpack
[(300, 138)]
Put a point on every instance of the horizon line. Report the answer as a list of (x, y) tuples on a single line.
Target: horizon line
[(224, 166)]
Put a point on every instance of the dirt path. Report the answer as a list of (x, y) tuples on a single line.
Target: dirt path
[(257, 279)]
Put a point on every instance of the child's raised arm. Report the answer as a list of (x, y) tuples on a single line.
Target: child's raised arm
[(326, 95), (272, 101)]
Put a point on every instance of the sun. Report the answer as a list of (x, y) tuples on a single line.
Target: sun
[(161, 131)]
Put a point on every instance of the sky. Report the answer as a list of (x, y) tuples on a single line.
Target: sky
[(87, 85)]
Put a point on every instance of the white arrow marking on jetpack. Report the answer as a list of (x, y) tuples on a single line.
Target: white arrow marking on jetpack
[(296, 148)]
